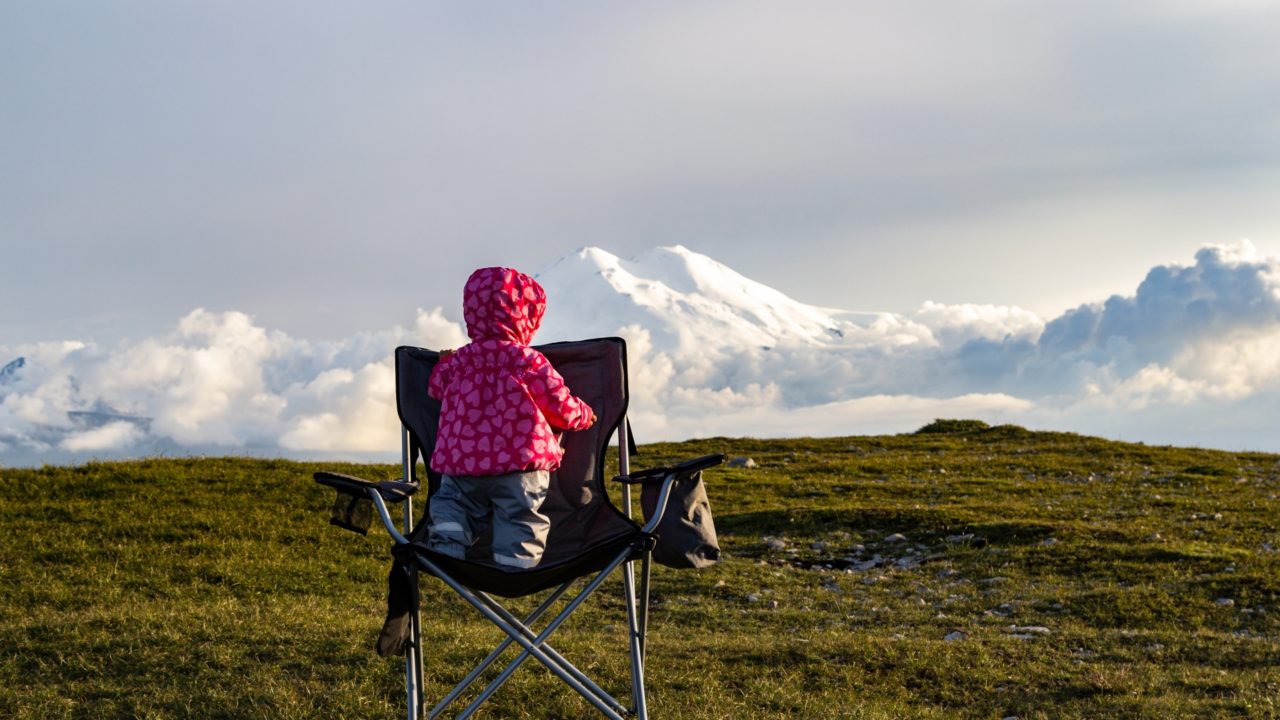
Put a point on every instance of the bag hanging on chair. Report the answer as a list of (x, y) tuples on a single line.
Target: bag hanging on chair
[(686, 534)]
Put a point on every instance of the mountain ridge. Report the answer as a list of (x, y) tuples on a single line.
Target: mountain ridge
[(683, 298)]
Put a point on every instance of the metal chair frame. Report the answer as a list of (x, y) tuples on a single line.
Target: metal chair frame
[(520, 631)]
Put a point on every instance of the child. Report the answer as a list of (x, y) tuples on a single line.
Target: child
[(500, 400)]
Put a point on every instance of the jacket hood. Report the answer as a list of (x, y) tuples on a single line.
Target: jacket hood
[(502, 304)]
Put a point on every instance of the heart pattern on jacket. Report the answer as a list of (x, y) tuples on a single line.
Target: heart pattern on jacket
[(501, 401)]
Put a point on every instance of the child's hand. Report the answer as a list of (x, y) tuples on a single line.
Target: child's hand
[(593, 419)]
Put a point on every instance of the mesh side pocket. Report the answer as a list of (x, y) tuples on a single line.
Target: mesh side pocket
[(352, 513)]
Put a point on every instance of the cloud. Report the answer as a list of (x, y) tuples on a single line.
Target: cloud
[(1203, 335), (1213, 324), (112, 436), (203, 384), (217, 382), (956, 324), (1190, 355), (347, 411), (1227, 289)]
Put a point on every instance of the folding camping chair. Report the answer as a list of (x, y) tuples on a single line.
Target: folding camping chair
[(589, 536)]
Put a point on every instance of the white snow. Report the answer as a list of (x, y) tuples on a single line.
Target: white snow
[(683, 299)]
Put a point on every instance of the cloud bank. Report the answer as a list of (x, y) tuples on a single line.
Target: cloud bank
[(217, 383), (1188, 358)]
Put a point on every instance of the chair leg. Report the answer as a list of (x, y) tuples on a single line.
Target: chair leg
[(532, 647), (466, 682), (414, 675), (639, 706), (551, 652), (415, 693), (645, 567), (411, 691)]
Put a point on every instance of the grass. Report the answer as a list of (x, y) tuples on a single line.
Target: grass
[(1075, 578)]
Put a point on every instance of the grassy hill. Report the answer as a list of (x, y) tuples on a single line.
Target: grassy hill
[(967, 572)]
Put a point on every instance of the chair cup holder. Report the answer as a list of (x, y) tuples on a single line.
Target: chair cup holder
[(351, 513)]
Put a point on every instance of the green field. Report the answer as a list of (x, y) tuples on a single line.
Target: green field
[(975, 573)]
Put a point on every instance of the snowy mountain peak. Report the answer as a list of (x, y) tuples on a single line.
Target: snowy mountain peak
[(687, 271), (594, 256), (683, 298)]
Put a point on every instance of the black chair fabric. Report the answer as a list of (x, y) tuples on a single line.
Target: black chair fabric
[(587, 530)]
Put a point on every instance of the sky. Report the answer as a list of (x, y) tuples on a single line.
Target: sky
[(333, 170)]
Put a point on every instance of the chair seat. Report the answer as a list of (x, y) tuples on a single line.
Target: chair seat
[(507, 582)]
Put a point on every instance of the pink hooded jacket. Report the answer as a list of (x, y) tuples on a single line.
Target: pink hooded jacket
[(500, 398)]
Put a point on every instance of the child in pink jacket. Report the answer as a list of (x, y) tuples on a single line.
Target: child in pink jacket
[(500, 403)]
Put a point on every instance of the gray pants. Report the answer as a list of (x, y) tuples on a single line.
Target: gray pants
[(463, 504)]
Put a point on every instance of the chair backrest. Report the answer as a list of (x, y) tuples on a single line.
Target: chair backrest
[(579, 508)]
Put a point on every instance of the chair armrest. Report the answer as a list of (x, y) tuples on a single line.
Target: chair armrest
[(658, 474), (668, 477), (392, 491), (378, 493)]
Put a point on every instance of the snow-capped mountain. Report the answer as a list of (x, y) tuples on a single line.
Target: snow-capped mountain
[(686, 300)]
